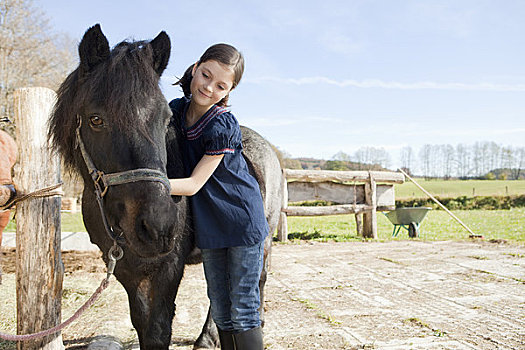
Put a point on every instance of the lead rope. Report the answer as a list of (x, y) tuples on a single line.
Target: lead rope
[(115, 249), (115, 253), (49, 191)]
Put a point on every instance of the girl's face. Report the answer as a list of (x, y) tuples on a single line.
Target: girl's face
[(211, 82)]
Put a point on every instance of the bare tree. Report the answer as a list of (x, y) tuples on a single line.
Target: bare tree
[(477, 158), (383, 158), (507, 158), (425, 156), (494, 156), (462, 160), (519, 162), (30, 54), (371, 158), (362, 157), (342, 156), (407, 155), (448, 157)]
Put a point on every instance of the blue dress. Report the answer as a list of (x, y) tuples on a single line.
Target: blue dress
[(228, 210)]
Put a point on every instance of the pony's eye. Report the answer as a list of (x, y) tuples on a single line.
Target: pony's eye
[(96, 121)]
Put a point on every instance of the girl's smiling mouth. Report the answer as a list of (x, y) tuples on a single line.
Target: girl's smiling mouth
[(203, 94)]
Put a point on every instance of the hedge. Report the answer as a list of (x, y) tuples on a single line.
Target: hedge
[(467, 203)]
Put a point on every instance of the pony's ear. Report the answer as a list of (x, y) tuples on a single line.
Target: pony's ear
[(93, 49), (161, 52)]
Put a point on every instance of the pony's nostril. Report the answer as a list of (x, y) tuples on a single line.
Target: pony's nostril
[(151, 231)]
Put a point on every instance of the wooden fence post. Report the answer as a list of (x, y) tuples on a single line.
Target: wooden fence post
[(282, 227), (359, 223), (39, 269), (370, 217)]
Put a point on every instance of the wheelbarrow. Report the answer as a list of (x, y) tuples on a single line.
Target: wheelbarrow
[(407, 218)]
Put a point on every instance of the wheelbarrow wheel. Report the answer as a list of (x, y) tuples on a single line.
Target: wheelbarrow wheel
[(412, 230)]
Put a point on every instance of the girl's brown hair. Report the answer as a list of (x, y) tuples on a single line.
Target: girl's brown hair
[(222, 53)]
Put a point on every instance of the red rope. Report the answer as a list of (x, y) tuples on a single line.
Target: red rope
[(103, 285)]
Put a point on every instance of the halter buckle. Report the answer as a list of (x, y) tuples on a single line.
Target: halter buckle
[(98, 179)]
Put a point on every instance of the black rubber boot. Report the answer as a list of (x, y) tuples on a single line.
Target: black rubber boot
[(226, 339), (249, 340)]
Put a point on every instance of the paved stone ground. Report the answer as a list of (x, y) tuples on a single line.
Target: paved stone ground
[(394, 295), (398, 295)]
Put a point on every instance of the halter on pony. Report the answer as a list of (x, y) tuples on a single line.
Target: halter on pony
[(102, 181)]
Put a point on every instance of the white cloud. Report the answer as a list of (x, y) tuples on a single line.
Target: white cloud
[(338, 42), (377, 83)]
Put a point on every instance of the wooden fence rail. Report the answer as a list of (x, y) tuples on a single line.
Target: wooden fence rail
[(362, 193)]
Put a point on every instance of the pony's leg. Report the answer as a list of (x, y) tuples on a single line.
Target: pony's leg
[(4, 220), (152, 307), (264, 275), (152, 315), (209, 337)]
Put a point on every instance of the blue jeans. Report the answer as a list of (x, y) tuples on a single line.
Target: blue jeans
[(232, 275)]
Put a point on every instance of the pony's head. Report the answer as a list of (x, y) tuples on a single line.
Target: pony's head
[(114, 98)]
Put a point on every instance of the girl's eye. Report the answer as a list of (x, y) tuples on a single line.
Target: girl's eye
[(222, 88), (96, 121), (205, 75)]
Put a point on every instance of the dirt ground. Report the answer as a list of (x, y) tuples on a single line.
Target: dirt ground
[(394, 295)]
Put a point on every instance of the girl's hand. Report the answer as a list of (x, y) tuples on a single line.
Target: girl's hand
[(202, 172)]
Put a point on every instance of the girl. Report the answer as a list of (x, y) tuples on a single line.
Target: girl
[(227, 208)]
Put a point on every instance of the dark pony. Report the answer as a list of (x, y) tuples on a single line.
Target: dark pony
[(114, 99)]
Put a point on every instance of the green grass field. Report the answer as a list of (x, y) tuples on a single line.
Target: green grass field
[(71, 222), (456, 188), (437, 225)]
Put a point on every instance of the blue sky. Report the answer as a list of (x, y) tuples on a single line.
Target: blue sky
[(329, 76)]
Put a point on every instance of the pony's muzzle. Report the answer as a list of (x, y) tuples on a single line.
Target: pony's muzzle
[(148, 224)]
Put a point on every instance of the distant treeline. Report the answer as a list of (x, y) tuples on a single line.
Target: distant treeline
[(482, 160), (321, 164), (479, 160)]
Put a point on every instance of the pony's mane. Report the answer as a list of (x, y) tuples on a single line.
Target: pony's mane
[(121, 84)]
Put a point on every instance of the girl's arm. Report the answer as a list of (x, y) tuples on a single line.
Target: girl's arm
[(190, 185)]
